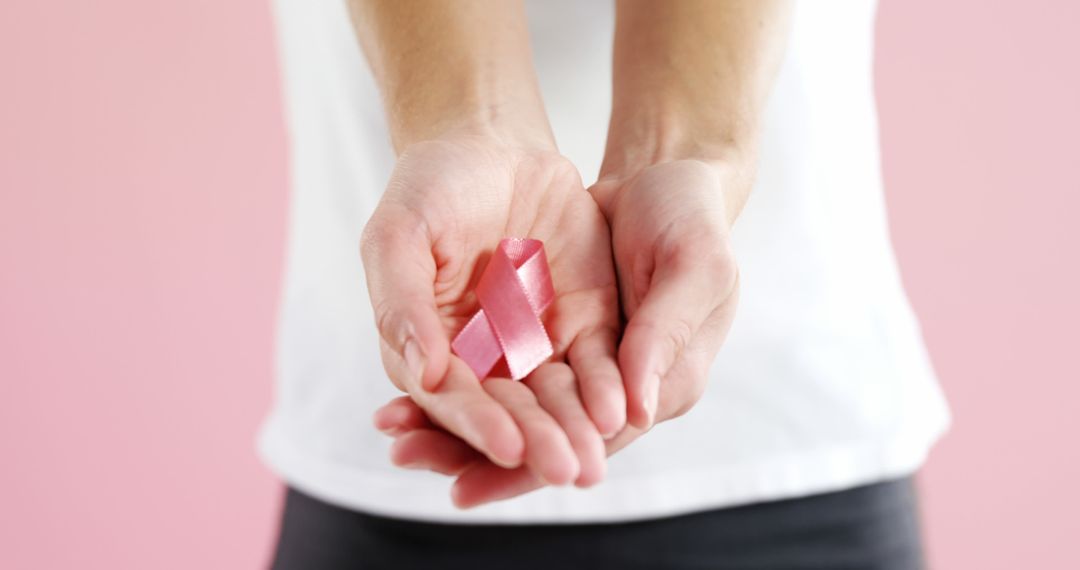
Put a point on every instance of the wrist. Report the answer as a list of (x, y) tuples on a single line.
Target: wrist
[(482, 129), (446, 67), (646, 133), (512, 117), (646, 141)]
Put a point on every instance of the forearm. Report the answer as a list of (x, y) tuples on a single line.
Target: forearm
[(461, 66), (691, 78)]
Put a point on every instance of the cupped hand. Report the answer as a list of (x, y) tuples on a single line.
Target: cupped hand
[(678, 280), (678, 284), (446, 207)]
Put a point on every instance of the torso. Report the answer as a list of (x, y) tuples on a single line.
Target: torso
[(823, 383)]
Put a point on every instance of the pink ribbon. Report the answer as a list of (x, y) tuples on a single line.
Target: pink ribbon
[(513, 291)]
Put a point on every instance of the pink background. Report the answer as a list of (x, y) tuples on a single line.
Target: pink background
[(142, 201)]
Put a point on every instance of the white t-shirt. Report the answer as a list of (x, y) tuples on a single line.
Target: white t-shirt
[(822, 384)]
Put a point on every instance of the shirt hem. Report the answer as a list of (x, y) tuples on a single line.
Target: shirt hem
[(426, 497)]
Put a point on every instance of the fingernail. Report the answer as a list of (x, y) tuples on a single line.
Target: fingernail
[(652, 394), (414, 360), (456, 496), (610, 434)]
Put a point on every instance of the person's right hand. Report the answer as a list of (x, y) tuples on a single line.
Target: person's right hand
[(678, 279), (446, 207)]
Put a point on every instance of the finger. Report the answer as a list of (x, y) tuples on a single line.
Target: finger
[(401, 415), (400, 272), (684, 289), (434, 450), (463, 407), (484, 482), (555, 390), (547, 449), (593, 359)]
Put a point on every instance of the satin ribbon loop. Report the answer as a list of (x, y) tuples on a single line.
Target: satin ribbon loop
[(513, 291)]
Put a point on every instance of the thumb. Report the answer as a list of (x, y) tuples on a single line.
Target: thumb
[(683, 291), (400, 273)]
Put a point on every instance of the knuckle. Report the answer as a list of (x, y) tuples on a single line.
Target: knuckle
[(559, 378), (502, 389), (545, 429), (457, 412), (677, 335), (673, 334), (388, 324)]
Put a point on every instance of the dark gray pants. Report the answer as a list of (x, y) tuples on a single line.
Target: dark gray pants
[(869, 527)]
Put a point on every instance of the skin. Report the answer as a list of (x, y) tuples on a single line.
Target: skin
[(448, 202), (476, 163), (690, 80)]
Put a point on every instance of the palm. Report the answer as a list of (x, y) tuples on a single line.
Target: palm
[(468, 196)]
